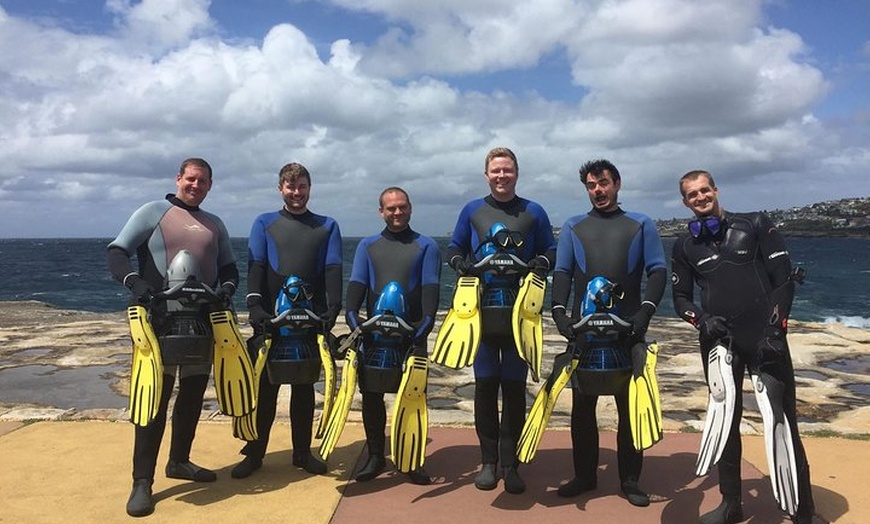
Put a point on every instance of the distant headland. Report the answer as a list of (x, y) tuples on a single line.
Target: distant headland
[(845, 217)]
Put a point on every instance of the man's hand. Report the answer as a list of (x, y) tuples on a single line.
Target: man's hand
[(460, 265), (258, 316), (422, 329), (713, 327), (224, 294), (329, 316), (142, 291), (539, 265), (772, 347), (564, 323), (640, 320)]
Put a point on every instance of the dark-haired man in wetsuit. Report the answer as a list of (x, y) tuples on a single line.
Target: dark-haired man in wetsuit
[(622, 247), (291, 241), (396, 254), (155, 233), (741, 266), (498, 364)]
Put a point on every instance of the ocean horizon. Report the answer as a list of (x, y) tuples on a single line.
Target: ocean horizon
[(70, 273)]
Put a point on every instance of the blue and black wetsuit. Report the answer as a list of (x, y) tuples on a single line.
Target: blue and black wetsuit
[(308, 246), (155, 233), (498, 364), (622, 247), (414, 261), (743, 277)]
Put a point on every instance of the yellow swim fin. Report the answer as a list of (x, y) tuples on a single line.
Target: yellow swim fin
[(343, 400), (644, 403), (545, 401), (146, 378), (233, 372), (528, 327), (328, 384), (410, 425), (459, 335), (245, 426)]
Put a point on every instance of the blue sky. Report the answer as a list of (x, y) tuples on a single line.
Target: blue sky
[(102, 100)]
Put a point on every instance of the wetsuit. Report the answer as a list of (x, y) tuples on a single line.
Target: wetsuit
[(498, 363), (743, 277), (413, 260), (155, 233), (622, 247), (308, 246)]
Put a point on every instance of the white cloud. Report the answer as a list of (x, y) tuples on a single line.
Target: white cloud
[(101, 121)]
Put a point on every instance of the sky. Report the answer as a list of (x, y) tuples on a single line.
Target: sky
[(101, 101)]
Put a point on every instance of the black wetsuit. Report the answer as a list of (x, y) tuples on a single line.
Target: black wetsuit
[(155, 233), (498, 364), (743, 277), (414, 262), (308, 246), (622, 247)]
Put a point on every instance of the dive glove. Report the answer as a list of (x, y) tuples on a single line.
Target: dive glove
[(564, 323), (141, 290), (640, 320), (258, 316), (539, 265), (460, 265), (713, 327)]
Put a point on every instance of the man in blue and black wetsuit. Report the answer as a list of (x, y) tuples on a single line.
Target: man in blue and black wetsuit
[(397, 254), (292, 241), (498, 364), (155, 233), (741, 265), (622, 247)]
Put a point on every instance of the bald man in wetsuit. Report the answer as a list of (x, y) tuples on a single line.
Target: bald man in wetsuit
[(397, 254), (622, 247), (291, 241), (741, 266)]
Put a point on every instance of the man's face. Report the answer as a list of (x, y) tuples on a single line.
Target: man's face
[(295, 194), (193, 185), (603, 191), (501, 174), (701, 197), (396, 211)]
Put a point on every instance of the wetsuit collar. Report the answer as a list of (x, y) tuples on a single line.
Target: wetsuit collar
[(177, 202), (406, 235), (501, 205), (606, 214), (301, 216)]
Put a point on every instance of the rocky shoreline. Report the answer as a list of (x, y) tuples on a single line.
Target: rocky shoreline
[(832, 364)]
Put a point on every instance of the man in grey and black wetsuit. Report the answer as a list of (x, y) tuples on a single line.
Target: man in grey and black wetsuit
[(155, 233)]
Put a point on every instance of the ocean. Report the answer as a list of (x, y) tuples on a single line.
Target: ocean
[(71, 274)]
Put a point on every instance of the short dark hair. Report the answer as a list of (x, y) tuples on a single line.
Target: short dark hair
[(194, 161), (597, 168), (393, 189), (694, 175), (293, 171)]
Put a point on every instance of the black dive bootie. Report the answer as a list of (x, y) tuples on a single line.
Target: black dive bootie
[(729, 511)]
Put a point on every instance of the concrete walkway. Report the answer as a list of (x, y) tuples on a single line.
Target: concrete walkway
[(80, 472)]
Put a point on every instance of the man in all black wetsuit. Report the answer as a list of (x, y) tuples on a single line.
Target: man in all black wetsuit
[(620, 246), (742, 268), (397, 254), (155, 233), (292, 241), (498, 363)]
